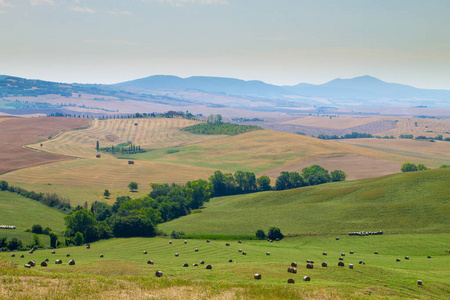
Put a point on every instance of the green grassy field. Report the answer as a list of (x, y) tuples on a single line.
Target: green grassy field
[(381, 276), (24, 213), (416, 202)]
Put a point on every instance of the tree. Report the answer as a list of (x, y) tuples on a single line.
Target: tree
[(78, 239), (133, 186), (36, 241), (106, 194), (315, 174), (260, 234), (98, 146), (409, 167), (274, 233), (338, 175), (263, 183), (3, 185), (36, 228), (53, 239), (295, 180), (421, 167), (14, 244), (84, 222), (218, 118), (133, 226), (282, 182)]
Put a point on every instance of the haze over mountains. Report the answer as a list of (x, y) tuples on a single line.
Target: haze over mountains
[(363, 90)]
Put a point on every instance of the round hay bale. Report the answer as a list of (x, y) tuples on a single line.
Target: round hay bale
[(67, 255), (208, 241), (428, 256), (44, 264), (32, 263), (227, 244), (196, 249), (13, 255), (340, 264), (101, 255), (145, 252), (185, 242), (58, 261), (406, 257), (419, 282), (290, 280), (195, 265), (150, 262), (22, 256), (159, 274), (176, 254), (361, 262), (240, 242), (202, 262), (267, 253), (257, 276), (270, 241), (294, 264), (351, 252), (170, 242), (375, 252), (53, 252), (88, 246), (240, 250), (71, 262), (350, 266), (324, 264), (324, 253), (290, 270), (309, 266), (341, 258), (46, 259), (306, 278), (208, 267), (337, 239), (244, 253), (186, 265), (27, 266), (342, 254), (230, 260), (398, 259), (277, 239)]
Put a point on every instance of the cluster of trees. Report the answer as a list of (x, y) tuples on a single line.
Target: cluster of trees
[(136, 217), (49, 199), (220, 128), (246, 119), (312, 175), (353, 135), (16, 244), (273, 234), (126, 148), (439, 137), (410, 167)]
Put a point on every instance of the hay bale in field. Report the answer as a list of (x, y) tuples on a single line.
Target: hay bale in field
[(185, 242), (158, 274), (294, 264), (208, 241), (324, 253), (406, 257), (290, 280), (324, 264), (101, 255), (71, 262), (267, 253), (13, 255), (185, 265), (375, 252), (337, 239), (22, 256), (170, 242), (135, 124), (145, 252), (195, 265), (202, 262), (58, 261), (196, 250), (341, 258), (130, 162), (428, 256), (32, 263), (227, 244), (208, 267), (350, 266), (361, 262), (44, 264), (351, 252), (176, 254), (398, 259), (240, 242), (53, 252), (88, 246), (244, 253), (306, 278), (230, 260), (28, 266), (342, 254), (150, 262), (46, 259), (277, 239), (340, 264), (257, 276), (42, 145), (419, 282), (67, 255), (98, 156), (309, 266), (240, 250)]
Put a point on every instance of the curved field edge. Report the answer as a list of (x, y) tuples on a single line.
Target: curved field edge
[(415, 202), (123, 271)]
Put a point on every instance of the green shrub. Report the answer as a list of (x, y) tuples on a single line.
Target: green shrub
[(260, 234), (274, 233)]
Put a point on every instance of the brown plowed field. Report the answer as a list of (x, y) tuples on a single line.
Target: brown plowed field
[(354, 165), (16, 132)]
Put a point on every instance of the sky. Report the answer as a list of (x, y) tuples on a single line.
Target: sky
[(283, 42)]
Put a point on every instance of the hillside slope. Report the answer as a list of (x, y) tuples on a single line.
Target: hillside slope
[(415, 202)]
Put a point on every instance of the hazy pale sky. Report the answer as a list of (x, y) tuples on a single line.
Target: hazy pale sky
[(276, 41)]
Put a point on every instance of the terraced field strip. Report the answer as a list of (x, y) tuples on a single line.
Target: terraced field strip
[(148, 133), (332, 123), (419, 126)]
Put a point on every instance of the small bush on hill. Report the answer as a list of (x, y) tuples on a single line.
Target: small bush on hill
[(260, 234)]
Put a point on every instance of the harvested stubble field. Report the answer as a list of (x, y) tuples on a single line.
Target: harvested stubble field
[(332, 123), (16, 132), (428, 127)]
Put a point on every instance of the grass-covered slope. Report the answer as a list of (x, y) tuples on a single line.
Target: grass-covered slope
[(416, 202)]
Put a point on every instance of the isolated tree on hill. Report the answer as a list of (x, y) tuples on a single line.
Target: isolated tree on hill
[(133, 186), (338, 175), (409, 167), (274, 233), (106, 193), (3, 185), (98, 146)]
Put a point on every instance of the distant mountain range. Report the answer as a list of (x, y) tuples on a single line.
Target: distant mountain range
[(363, 90)]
